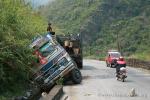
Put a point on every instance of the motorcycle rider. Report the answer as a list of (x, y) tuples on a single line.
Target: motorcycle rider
[(119, 63)]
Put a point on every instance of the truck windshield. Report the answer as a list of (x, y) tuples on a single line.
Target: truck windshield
[(47, 49)]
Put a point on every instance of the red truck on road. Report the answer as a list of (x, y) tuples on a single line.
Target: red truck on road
[(112, 56)]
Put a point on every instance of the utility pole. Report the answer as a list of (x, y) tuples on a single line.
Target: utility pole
[(117, 27), (118, 43)]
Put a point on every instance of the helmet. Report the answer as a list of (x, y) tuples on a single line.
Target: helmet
[(121, 58)]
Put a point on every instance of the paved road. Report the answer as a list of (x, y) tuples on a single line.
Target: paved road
[(99, 83)]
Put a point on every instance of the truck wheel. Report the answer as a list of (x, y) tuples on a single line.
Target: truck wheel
[(76, 76), (80, 66)]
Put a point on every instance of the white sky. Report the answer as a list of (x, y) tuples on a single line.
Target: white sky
[(36, 3)]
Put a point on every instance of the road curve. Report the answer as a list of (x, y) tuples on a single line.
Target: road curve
[(99, 83)]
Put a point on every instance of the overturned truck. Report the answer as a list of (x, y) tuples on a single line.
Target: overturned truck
[(53, 62)]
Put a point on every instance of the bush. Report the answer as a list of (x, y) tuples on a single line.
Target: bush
[(18, 25)]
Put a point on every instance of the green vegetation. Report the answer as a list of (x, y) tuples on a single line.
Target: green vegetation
[(69, 15), (60, 81), (100, 21), (18, 25)]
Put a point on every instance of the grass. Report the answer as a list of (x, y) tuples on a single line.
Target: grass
[(18, 90), (142, 56)]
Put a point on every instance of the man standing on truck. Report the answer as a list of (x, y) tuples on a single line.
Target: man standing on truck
[(49, 28)]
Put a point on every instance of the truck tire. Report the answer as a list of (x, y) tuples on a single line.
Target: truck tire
[(80, 65), (78, 60), (76, 76)]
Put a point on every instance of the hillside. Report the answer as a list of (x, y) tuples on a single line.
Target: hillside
[(100, 21)]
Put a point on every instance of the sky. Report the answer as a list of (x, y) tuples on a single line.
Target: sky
[(36, 3)]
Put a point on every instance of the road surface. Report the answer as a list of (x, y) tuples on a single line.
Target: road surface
[(99, 83)]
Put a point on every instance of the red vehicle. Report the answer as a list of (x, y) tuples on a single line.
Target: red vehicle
[(111, 58)]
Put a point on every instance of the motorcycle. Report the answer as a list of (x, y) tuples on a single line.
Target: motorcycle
[(121, 69), (122, 74)]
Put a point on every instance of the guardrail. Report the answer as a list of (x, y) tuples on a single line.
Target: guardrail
[(138, 63)]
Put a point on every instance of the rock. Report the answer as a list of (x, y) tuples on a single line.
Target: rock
[(132, 92), (43, 96)]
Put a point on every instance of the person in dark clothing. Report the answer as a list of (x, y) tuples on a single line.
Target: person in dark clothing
[(49, 28), (118, 68), (120, 63)]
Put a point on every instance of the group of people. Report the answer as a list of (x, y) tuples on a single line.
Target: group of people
[(67, 44)]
